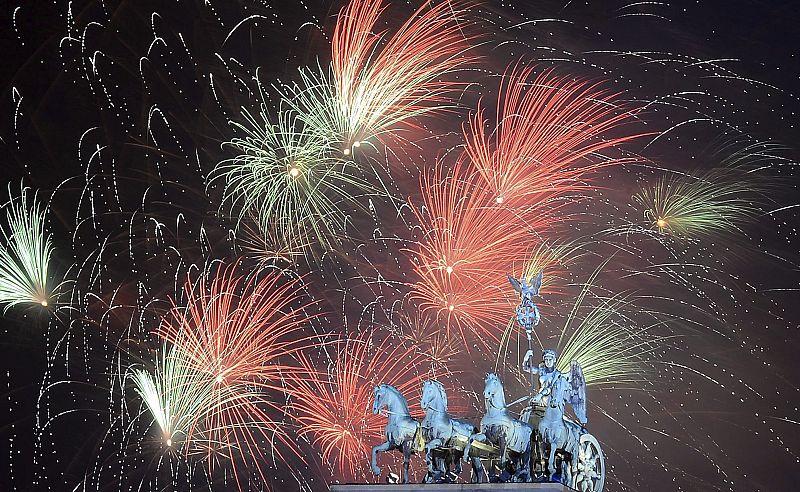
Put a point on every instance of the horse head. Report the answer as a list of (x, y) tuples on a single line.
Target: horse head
[(493, 393), (379, 397), (433, 392)]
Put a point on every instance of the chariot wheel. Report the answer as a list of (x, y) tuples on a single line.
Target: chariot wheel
[(591, 472)]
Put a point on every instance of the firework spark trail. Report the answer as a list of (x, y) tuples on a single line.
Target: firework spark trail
[(333, 406), (705, 203), (178, 397), (372, 89), (239, 331), (25, 253), (549, 137)]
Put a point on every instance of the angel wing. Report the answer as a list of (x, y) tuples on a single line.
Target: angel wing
[(514, 283), (536, 282), (577, 393)]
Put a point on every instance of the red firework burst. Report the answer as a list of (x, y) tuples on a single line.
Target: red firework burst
[(550, 136), (333, 406), (469, 243), (480, 225), (466, 232), (238, 331)]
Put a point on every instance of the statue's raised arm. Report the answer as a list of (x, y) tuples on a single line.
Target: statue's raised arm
[(577, 393), (528, 364)]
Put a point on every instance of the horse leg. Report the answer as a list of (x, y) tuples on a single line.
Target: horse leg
[(434, 443), (551, 463), (380, 448), (524, 468), (537, 466), (406, 459), (478, 473), (503, 454), (573, 465), (473, 437)]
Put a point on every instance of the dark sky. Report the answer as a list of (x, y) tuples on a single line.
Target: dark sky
[(117, 109)]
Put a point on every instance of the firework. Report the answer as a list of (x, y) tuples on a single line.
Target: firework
[(370, 88), (178, 397), (25, 252), (550, 136), (332, 404), (465, 233), (701, 204), (237, 332), (537, 187), (270, 245), (468, 244), (606, 343), (284, 178), (423, 331)]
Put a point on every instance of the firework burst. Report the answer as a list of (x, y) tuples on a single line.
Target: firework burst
[(371, 89), (550, 136), (701, 204), (237, 332), (332, 404), (468, 242), (285, 178), (178, 397), (25, 253), (465, 233), (423, 331), (609, 346)]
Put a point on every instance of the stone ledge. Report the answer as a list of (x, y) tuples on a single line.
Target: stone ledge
[(451, 487)]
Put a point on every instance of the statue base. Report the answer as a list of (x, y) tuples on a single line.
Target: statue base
[(451, 487)]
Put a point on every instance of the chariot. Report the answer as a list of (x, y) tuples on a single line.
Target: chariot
[(543, 444)]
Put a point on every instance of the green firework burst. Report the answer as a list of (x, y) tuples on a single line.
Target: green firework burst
[(25, 253), (285, 178), (693, 205)]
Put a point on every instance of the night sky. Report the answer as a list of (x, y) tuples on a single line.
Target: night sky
[(117, 113)]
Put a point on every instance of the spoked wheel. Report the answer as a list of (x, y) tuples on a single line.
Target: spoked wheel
[(591, 473)]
